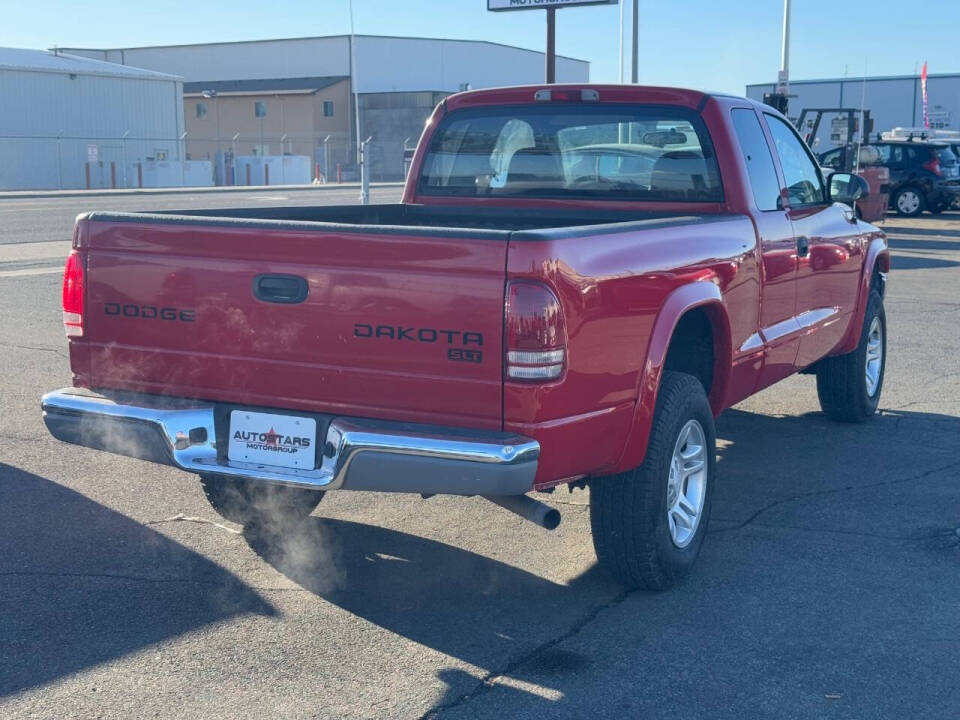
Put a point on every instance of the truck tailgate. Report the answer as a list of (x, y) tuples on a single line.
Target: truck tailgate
[(405, 326)]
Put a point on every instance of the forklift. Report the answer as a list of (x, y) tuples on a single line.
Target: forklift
[(854, 158)]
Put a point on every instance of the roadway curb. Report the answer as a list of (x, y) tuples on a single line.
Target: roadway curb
[(25, 194)]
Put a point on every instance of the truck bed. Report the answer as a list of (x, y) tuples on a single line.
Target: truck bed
[(402, 218)]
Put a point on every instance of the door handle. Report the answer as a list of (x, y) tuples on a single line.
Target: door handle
[(285, 289), (803, 246)]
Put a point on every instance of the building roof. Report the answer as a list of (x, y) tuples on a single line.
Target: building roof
[(60, 62), (255, 87), (331, 37), (854, 80)]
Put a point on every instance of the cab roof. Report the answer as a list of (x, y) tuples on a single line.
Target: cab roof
[(525, 94)]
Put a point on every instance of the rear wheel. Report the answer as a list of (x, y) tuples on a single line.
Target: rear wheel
[(849, 386), (249, 502), (908, 202), (648, 524)]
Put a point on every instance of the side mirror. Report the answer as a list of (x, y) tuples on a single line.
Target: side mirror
[(847, 188)]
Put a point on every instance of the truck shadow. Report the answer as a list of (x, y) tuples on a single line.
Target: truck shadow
[(944, 231), (913, 262), (491, 615), (763, 460), (81, 584), (910, 243), (453, 600)]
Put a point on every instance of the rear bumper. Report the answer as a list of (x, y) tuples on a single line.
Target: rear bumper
[(359, 454)]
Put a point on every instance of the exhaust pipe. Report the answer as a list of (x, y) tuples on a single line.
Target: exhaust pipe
[(529, 509)]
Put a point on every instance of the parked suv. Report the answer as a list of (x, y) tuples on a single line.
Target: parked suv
[(923, 174)]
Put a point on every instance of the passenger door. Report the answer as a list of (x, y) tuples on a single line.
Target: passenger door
[(829, 247), (778, 331)]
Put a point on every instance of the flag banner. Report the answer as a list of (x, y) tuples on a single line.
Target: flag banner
[(923, 88)]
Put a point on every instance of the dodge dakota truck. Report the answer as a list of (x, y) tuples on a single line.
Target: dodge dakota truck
[(578, 280)]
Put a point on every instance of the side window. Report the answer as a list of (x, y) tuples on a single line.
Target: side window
[(884, 151), (804, 186), (756, 152), (916, 154), (832, 159)]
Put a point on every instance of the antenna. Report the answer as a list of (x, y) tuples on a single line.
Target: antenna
[(863, 124)]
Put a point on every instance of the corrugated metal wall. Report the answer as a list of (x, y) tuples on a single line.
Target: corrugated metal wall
[(892, 102), (83, 110)]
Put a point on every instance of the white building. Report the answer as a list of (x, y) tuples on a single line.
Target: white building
[(64, 118), (398, 81), (893, 101)]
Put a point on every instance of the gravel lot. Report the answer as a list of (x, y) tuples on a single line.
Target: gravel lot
[(828, 586)]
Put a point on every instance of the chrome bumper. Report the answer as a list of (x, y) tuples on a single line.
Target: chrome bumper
[(358, 454)]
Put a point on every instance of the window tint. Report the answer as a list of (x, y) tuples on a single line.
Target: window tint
[(870, 155), (892, 154), (916, 154), (832, 159), (804, 186), (628, 152), (753, 144)]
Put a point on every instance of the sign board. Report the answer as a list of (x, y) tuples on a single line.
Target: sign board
[(497, 5), (93, 153)]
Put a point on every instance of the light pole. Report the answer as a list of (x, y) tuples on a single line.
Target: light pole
[(353, 80), (123, 155), (783, 78), (212, 94), (59, 161)]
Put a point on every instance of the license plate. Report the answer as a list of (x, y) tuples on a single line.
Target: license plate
[(268, 439)]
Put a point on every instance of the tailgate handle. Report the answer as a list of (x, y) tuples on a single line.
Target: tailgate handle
[(287, 289)]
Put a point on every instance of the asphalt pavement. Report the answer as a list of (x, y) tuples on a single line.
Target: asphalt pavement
[(829, 585)]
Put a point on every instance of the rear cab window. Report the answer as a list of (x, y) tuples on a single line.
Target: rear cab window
[(604, 152)]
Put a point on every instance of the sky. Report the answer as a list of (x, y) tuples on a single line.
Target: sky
[(719, 45)]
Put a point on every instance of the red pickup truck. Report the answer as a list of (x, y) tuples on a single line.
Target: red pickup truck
[(578, 280)]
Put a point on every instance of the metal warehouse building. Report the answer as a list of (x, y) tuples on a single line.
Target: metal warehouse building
[(296, 96), (65, 117), (893, 101)]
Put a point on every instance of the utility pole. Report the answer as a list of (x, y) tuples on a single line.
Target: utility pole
[(551, 45), (635, 75), (783, 78), (353, 80), (779, 98), (620, 56)]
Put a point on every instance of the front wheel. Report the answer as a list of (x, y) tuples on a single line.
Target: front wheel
[(908, 202), (259, 504), (648, 524), (849, 386)]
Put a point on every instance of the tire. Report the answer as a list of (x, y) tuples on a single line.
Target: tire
[(908, 202), (844, 382), (634, 540), (251, 503)]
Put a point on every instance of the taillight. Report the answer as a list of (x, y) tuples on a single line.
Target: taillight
[(933, 164), (73, 295), (536, 335)]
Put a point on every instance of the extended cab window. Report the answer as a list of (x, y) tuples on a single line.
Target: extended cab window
[(756, 153), (804, 186), (630, 152)]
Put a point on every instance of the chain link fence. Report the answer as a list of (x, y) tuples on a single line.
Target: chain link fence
[(72, 162)]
